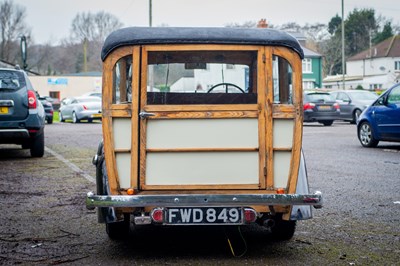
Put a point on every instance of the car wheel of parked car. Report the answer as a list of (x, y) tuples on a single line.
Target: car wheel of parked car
[(365, 135), (327, 122), (283, 230), (74, 118), (356, 115), (37, 146), (50, 120), (60, 117)]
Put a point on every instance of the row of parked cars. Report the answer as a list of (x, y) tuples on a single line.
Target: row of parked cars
[(326, 107), (377, 117), (23, 113), (86, 107)]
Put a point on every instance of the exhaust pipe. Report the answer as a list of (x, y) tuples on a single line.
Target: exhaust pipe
[(269, 223)]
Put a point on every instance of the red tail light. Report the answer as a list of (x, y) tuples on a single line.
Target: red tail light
[(308, 106), (31, 100), (336, 106), (157, 215), (84, 107), (250, 215)]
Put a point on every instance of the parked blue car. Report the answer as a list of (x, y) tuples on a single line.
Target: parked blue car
[(381, 120)]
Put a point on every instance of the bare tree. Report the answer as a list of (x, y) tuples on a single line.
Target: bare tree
[(90, 30), (104, 24), (93, 27), (12, 27), (83, 26)]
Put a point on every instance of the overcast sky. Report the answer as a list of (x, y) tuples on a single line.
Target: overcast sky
[(50, 20)]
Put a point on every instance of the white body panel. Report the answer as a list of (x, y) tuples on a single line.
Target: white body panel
[(202, 133), (122, 128), (207, 168)]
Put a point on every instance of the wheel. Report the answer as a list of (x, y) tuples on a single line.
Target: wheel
[(60, 117), (50, 120), (226, 87), (118, 230), (283, 230), (327, 122), (365, 135), (37, 146), (356, 115), (75, 118)]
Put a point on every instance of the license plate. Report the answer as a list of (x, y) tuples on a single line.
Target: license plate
[(3, 110), (96, 115), (209, 215), (324, 107)]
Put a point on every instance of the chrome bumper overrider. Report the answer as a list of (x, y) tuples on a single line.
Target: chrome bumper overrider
[(197, 200)]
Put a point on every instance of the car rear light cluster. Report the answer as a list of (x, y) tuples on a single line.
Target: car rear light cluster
[(336, 106), (31, 100), (84, 107), (309, 106)]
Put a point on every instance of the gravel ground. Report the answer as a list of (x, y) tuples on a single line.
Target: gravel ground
[(44, 220)]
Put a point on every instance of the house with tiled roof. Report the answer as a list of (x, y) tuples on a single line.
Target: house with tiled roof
[(375, 68)]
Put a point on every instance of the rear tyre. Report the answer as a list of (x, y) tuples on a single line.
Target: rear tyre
[(283, 230), (118, 230), (356, 115), (75, 118), (327, 122), (60, 117), (50, 120), (37, 146), (365, 135)]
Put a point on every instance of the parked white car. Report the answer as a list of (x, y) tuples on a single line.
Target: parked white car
[(80, 108)]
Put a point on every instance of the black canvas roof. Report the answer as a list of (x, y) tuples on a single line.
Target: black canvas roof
[(182, 35)]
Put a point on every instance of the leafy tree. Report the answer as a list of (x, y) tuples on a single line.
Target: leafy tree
[(386, 32), (334, 24), (359, 26)]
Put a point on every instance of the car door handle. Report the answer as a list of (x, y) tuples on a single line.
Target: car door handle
[(144, 115)]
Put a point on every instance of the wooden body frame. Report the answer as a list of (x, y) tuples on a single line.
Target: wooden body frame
[(265, 110)]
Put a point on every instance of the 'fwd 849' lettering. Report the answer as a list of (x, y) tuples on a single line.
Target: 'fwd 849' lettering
[(204, 215)]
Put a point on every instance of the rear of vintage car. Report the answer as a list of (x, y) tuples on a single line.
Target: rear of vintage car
[(202, 126)]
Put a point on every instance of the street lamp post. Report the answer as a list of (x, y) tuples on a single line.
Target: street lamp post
[(150, 13), (343, 57), (24, 52)]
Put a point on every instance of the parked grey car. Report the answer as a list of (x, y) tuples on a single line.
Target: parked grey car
[(80, 108), (22, 116), (320, 107), (353, 102)]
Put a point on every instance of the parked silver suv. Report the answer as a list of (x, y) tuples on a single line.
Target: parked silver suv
[(22, 116)]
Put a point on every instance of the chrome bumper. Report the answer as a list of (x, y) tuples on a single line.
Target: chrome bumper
[(198, 200)]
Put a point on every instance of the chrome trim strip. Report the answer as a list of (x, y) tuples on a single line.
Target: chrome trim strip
[(189, 200)]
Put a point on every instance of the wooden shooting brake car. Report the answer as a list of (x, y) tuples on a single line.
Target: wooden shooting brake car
[(202, 126)]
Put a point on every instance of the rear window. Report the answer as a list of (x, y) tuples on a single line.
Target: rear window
[(319, 97), (11, 80)]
